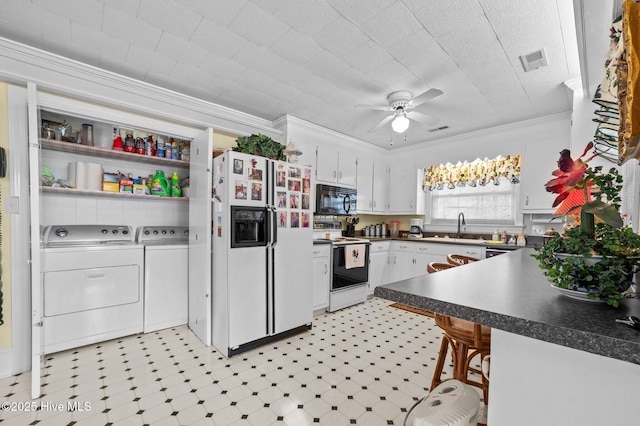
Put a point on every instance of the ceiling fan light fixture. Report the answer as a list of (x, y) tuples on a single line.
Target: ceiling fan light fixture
[(400, 124)]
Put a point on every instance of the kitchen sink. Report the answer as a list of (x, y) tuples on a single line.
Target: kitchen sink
[(454, 240)]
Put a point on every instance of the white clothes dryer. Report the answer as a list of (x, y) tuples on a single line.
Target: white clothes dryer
[(166, 276)]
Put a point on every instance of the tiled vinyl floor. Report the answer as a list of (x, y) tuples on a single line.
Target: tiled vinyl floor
[(363, 365)]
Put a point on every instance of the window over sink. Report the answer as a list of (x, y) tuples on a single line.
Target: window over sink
[(489, 204)]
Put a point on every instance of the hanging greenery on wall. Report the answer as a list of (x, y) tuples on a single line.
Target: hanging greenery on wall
[(478, 172)]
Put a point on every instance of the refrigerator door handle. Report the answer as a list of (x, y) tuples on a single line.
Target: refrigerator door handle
[(274, 226)]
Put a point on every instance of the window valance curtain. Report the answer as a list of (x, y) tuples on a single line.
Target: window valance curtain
[(478, 172)]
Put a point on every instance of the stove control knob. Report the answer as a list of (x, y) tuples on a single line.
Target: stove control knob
[(61, 232)]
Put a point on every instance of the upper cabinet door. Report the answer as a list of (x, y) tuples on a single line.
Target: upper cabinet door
[(403, 190), (380, 189), (327, 164), (538, 162), (364, 186), (347, 169), (333, 167)]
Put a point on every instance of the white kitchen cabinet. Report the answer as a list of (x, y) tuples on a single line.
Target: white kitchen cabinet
[(538, 162), (321, 275), (410, 259), (379, 264), (405, 190), (403, 258), (334, 167), (372, 186)]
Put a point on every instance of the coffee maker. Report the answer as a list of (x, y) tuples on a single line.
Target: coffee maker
[(416, 228)]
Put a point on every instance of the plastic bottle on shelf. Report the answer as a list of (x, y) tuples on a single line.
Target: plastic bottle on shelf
[(175, 185), (175, 151), (503, 237), (160, 185), (160, 147), (495, 236), (168, 149)]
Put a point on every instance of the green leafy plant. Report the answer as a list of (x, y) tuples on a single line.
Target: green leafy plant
[(599, 255), (261, 145)]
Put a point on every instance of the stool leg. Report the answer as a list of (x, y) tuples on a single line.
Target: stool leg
[(442, 356)]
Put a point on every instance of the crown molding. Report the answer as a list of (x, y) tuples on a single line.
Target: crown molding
[(60, 75), (289, 120), (484, 132)]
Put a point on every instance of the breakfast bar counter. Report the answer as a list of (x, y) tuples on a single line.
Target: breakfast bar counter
[(552, 357)]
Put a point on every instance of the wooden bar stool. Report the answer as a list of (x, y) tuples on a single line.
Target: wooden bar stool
[(467, 340), (460, 259)]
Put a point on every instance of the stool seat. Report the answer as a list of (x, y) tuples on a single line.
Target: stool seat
[(438, 266), (460, 259)]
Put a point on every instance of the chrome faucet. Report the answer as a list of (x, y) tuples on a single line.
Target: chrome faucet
[(460, 216)]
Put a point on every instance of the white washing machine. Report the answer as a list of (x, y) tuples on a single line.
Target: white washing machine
[(92, 285), (166, 276)]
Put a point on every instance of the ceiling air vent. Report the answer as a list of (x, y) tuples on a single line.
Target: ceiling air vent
[(534, 60), (437, 129)]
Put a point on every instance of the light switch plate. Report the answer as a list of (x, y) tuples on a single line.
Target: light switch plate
[(12, 205)]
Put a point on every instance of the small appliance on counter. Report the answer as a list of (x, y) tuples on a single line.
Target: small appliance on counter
[(416, 228)]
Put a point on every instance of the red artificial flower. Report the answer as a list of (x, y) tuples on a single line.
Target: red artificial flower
[(569, 175)]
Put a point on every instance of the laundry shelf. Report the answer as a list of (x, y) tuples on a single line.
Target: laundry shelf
[(61, 146), (73, 191)]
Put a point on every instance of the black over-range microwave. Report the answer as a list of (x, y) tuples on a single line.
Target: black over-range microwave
[(335, 200)]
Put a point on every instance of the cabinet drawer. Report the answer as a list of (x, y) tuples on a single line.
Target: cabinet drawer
[(399, 246), (380, 246), (321, 250)]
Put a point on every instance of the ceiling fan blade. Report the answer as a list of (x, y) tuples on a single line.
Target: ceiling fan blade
[(382, 123), (426, 96), (422, 118), (378, 107)]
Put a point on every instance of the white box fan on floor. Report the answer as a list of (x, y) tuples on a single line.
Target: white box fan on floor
[(451, 403)]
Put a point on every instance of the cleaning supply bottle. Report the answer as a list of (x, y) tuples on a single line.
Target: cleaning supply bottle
[(160, 185), (175, 185)]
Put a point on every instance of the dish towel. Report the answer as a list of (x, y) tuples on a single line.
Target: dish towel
[(354, 255)]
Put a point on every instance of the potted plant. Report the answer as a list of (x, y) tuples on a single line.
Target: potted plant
[(261, 145), (597, 256)]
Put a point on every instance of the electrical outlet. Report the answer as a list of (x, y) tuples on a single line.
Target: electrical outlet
[(537, 229)]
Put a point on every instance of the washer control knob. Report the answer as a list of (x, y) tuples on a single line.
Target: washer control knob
[(115, 231), (104, 231), (61, 232)]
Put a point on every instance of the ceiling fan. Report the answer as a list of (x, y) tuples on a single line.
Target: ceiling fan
[(401, 103)]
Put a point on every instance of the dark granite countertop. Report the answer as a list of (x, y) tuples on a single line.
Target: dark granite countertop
[(510, 293), (481, 243)]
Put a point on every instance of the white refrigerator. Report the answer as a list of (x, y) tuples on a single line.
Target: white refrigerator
[(262, 239)]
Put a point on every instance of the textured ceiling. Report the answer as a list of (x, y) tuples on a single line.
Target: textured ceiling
[(317, 59)]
